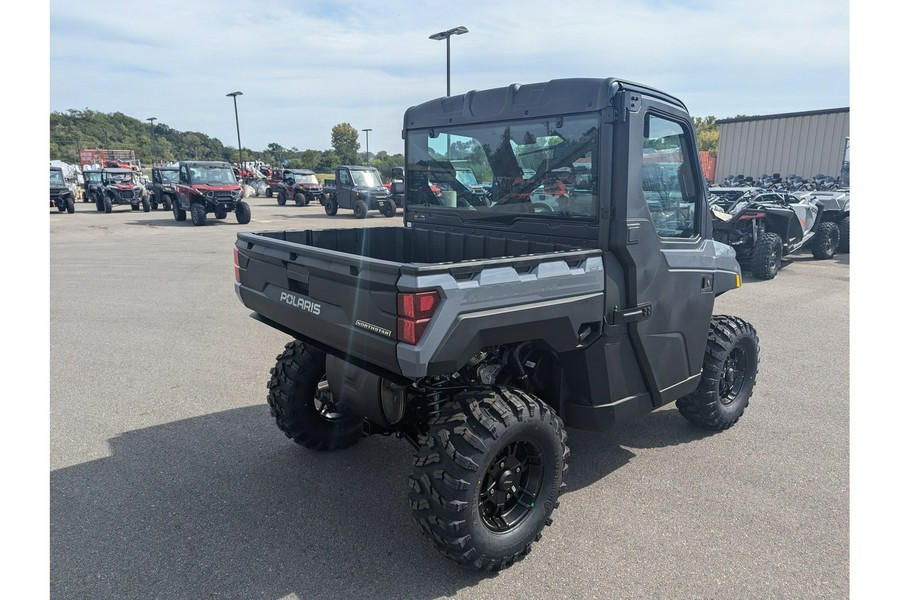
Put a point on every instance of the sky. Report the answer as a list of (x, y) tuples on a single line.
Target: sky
[(305, 66)]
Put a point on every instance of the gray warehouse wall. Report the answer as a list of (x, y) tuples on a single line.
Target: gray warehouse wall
[(803, 143)]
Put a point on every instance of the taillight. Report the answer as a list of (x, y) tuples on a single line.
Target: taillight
[(237, 271), (414, 311), (753, 215)]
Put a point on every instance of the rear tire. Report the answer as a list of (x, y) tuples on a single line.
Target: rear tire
[(268, 192), (826, 240), (107, 205), (765, 259), (145, 204), (844, 228), (360, 209), (198, 214), (154, 205), (221, 213), (728, 375), (487, 476), (167, 203), (301, 402), (70, 205), (178, 212), (242, 212), (331, 207)]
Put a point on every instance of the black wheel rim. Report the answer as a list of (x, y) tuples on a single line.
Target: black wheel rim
[(733, 376), (511, 486)]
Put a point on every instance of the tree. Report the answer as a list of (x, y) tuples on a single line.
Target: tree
[(328, 162), (345, 141), (707, 134)]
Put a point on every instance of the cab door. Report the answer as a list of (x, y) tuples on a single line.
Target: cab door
[(344, 188), (659, 232)]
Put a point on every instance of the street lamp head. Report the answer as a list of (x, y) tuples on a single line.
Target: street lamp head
[(367, 130), (443, 35), (233, 94), (151, 119)]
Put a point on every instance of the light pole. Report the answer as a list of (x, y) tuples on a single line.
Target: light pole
[(237, 123), (152, 140), (367, 145), (445, 35)]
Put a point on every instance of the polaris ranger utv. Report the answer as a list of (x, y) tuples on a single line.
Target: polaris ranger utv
[(61, 197), (477, 330)]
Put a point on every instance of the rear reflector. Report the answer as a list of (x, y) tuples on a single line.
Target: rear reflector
[(237, 271)]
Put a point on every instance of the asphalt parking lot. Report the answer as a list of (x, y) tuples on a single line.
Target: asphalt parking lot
[(169, 478)]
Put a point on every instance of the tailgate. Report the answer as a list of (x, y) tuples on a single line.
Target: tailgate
[(336, 300)]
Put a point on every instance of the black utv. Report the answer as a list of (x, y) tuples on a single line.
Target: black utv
[(91, 188), (361, 190), (61, 196), (162, 187), (481, 331)]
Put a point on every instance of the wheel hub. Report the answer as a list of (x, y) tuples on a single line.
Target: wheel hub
[(511, 485)]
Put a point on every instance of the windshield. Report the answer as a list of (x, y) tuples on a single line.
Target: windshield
[(168, 176), (92, 176), (529, 167), (366, 178), (121, 177), (466, 177), (213, 175), (57, 179)]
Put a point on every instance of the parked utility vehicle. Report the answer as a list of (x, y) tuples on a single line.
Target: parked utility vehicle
[(119, 186), (835, 208), (61, 197), (360, 189), (92, 181), (763, 227), (162, 187), (299, 185), (208, 187), (475, 331)]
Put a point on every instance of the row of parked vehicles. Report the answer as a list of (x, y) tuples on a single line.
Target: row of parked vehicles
[(195, 188), (790, 183), (764, 226)]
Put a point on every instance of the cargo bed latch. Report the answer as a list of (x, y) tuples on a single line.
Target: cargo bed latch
[(632, 315)]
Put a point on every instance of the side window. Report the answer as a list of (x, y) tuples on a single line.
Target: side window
[(183, 177), (345, 177), (670, 190)]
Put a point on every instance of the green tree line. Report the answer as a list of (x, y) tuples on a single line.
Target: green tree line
[(73, 130)]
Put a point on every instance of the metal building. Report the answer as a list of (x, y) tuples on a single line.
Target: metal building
[(804, 143)]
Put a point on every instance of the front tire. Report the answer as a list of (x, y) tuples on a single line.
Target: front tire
[(390, 209), (727, 377), (70, 205), (765, 260), (301, 402), (145, 204), (107, 205), (268, 192), (826, 240), (242, 212), (487, 476), (281, 199), (198, 214), (300, 199)]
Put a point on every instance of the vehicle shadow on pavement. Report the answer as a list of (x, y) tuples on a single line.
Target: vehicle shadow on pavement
[(594, 455), (225, 506)]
